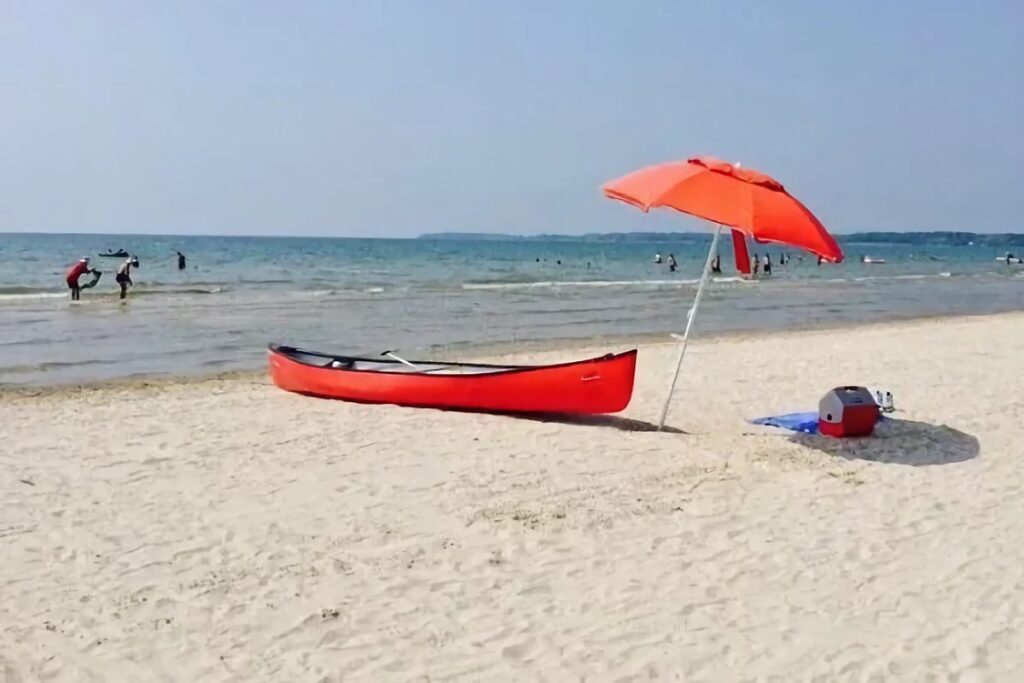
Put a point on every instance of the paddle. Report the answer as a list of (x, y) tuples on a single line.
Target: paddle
[(391, 355)]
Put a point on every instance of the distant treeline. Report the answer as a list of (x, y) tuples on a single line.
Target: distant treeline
[(931, 238), (953, 239)]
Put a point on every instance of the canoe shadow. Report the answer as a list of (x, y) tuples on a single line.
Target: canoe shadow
[(623, 424), (900, 442)]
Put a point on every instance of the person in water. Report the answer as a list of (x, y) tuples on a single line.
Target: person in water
[(74, 273), (124, 274), (755, 265), (672, 263), (767, 264), (181, 260), (716, 265), (657, 258)]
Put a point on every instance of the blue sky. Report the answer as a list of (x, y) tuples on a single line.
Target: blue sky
[(396, 118)]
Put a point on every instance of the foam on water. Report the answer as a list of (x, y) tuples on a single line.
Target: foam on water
[(29, 296), (553, 284)]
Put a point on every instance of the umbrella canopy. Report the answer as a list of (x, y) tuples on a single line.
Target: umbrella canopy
[(741, 198)]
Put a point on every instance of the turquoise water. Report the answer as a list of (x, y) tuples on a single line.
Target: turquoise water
[(362, 296)]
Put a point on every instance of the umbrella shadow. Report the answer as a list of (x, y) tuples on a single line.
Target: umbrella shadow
[(900, 442), (623, 424)]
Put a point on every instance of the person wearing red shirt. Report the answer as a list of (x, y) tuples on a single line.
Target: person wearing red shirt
[(76, 271)]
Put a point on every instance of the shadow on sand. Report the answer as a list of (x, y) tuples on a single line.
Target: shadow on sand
[(623, 424), (901, 442)]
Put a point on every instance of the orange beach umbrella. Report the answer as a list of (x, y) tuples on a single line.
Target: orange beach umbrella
[(743, 199)]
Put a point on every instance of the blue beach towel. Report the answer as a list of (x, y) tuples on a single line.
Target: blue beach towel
[(806, 423)]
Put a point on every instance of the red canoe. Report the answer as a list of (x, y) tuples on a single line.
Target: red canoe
[(598, 385)]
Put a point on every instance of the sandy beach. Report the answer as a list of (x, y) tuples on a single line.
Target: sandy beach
[(224, 530)]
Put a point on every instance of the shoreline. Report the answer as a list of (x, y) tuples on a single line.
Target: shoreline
[(661, 339), (501, 352)]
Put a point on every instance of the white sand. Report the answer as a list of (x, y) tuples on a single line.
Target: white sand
[(228, 531)]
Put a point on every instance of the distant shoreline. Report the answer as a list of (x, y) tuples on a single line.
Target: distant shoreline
[(933, 237), (940, 237)]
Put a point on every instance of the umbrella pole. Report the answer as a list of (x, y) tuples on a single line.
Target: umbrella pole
[(705, 276)]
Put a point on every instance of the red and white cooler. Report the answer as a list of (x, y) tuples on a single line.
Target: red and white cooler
[(847, 411)]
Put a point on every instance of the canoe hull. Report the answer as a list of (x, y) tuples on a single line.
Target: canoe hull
[(594, 386)]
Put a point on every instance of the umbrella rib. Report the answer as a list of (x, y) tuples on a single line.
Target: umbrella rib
[(626, 199)]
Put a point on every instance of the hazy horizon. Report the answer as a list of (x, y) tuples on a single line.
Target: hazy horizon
[(331, 120), (470, 234)]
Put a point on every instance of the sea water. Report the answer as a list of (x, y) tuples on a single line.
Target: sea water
[(423, 296)]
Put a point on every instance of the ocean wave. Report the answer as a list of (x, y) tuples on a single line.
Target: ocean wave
[(736, 279), (31, 293), (344, 293), (874, 278), (554, 284), (146, 291), (153, 283), (47, 366), (886, 278), (28, 296), (20, 289), (264, 281)]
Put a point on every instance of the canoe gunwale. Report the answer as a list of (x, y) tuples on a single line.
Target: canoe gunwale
[(289, 352)]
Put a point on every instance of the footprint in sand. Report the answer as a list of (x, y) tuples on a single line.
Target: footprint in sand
[(520, 651)]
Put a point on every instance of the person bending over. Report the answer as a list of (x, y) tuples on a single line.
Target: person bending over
[(74, 273), (124, 274)]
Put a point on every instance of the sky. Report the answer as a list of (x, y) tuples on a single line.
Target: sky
[(395, 118)]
